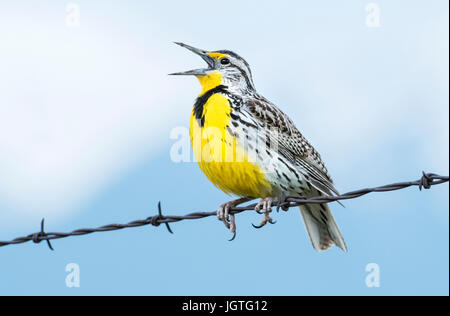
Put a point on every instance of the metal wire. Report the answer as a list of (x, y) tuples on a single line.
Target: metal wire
[(426, 181)]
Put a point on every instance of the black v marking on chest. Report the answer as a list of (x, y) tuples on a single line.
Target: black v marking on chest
[(201, 101)]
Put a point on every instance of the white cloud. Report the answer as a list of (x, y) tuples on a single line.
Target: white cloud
[(76, 107)]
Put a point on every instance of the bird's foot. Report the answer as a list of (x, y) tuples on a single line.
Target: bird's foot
[(224, 215), (283, 203), (266, 206)]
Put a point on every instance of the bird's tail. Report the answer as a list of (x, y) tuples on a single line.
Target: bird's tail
[(322, 229)]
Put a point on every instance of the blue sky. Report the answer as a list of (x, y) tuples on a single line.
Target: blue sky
[(85, 120)]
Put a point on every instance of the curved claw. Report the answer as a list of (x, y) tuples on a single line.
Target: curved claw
[(280, 203), (227, 225), (232, 238), (222, 215), (284, 208), (266, 205), (257, 226), (279, 206), (224, 219)]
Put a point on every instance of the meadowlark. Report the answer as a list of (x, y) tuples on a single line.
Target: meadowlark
[(249, 148)]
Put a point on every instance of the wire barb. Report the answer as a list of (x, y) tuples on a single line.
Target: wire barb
[(426, 181), (159, 219), (40, 236)]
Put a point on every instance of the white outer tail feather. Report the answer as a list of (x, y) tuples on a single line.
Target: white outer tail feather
[(321, 227)]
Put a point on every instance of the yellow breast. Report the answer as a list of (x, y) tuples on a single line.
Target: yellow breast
[(219, 155)]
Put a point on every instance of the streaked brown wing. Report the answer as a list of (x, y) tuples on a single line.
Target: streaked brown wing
[(291, 144)]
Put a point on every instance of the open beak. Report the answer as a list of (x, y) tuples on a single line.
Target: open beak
[(203, 54)]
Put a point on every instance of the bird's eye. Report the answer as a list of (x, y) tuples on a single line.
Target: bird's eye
[(225, 61)]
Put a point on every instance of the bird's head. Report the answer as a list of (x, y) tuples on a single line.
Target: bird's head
[(224, 68)]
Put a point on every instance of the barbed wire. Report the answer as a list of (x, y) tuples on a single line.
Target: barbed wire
[(426, 181)]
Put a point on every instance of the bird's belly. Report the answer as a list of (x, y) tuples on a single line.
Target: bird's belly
[(242, 179), (222, 158), (227, 165)]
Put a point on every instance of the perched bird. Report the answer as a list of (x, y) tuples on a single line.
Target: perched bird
[(248, 147)]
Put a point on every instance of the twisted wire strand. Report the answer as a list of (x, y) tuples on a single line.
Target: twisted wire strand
[(426, 181)]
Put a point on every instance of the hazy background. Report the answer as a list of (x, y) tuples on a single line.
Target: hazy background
[(86, 113)]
